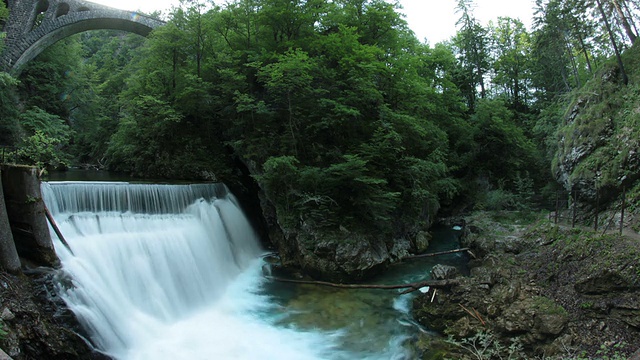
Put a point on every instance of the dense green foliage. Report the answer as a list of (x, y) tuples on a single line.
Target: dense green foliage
[(340, 113), (8, 110)]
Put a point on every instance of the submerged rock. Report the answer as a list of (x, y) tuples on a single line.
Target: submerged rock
[(421, 242)]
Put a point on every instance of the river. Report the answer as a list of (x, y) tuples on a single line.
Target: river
[(160, 271)]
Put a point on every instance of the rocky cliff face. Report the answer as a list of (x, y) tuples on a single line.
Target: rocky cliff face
[(338, 254), (599, 138), (334, 254), (36, 324)]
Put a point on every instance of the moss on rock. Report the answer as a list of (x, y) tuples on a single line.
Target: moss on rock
[(562, 291)]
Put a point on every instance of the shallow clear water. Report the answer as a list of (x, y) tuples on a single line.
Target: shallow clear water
[(180, 277), (374, 324)]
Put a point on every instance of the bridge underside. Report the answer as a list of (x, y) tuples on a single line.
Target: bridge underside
[(34, 25)]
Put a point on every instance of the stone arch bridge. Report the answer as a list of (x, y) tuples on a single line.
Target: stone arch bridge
[(34, 25)]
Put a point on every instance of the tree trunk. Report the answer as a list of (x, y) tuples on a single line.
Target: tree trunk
[(199, 45), (625, 78), (574, 67), (419, 256), (175, 70), (584, 51), (56, 229), (293, 134), (629, 16), (480, 74), (625, 21), (516, 91), (411, 287)]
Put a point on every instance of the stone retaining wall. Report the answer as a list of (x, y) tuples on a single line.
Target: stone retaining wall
[(26, 215)]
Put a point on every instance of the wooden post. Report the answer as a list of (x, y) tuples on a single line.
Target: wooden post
[(624, 203), (9, 259), (575, 199), (557, 206), (595, 226)]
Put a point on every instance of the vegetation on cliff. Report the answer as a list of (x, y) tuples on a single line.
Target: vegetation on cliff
[(598, 142)]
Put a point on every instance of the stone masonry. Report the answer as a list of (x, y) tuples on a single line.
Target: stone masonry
[(33, 25)]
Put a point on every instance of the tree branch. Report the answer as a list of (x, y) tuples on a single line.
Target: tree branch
[(435, 254), (411, 287)]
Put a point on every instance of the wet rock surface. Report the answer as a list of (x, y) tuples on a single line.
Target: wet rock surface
[(345, 256), (555, 292), (444, 272), (36, 323), (338, 255)]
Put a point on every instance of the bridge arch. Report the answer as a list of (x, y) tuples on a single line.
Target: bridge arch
[(34, 25)]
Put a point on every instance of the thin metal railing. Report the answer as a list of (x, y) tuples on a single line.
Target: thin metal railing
[(567, 203)]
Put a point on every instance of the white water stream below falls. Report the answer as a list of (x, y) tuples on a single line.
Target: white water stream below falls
[(175, 272)]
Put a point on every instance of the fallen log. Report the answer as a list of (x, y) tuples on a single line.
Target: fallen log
[(435, 254), (411, 287), (56, 229)]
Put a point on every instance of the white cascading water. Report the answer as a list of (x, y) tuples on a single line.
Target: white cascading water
[(169, 272)]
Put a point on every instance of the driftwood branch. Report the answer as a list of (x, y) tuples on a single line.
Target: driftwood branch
[(435, 254), (56, 229), (475, 314), (411, 287)]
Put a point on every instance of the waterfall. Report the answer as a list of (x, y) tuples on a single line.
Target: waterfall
[(168, 271)]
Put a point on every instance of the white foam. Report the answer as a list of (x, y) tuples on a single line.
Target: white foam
[(174, 286)]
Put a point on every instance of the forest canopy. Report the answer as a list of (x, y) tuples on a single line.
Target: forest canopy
[(342, 116)]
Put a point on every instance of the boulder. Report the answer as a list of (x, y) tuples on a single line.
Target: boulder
[(604, 282), (400, 249), (421, 242), (550, 324), (341, 256), (444, 272), (333, 254), (518, 318)]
